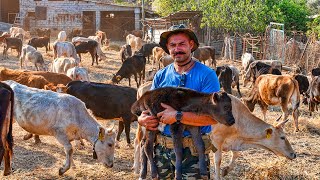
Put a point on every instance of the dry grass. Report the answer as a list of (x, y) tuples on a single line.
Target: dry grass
[(42, 161)]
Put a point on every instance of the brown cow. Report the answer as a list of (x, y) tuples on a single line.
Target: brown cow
[(274, 90), (6, 119), (137, 33), (205, 53), (313, 94)]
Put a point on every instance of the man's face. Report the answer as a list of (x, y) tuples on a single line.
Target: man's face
[(179, 46)]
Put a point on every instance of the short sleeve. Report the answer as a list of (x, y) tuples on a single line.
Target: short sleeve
[(211, 83)]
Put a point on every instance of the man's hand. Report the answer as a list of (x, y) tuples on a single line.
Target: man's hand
[(168, 115), (149, 122)]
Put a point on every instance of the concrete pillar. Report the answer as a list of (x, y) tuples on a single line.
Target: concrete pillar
[(137, 24), (98, 17)]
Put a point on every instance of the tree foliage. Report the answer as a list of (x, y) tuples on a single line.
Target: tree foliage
[(242, 15)]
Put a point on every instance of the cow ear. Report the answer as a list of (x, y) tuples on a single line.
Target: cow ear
[(268, 133), (101, 133), (215, 97), (118, 77)]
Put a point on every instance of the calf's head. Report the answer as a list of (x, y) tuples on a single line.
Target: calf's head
[(222, 111), (104, 146), (275, 140), (116, 78)]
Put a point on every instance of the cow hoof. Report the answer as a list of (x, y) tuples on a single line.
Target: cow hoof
[(225, 171), (204, 177), (129, 146), (28, 136), (61, 171)]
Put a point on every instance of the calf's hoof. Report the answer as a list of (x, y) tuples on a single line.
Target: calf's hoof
[(28, 136), (129, 146), (61, 171)]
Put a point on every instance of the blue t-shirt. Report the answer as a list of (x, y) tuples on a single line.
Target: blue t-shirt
[(200, 78)]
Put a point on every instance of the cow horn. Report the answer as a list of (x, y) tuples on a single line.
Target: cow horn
[(281, 124), (109, 131)]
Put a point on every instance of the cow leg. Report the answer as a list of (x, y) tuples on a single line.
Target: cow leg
[(226, 170), (264, 108), (63, 139), (137, 154), (37, 139), (127, 122), (46, 48), (97, 58), (129, 79), (35, 64), (295, 114), (120, 129), (217, 163), (2, 151), (7, 162), (144, 160), (238, 87), (284, 108), (27, 136), (149, 150)]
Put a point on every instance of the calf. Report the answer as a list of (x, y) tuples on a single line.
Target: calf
[(100, 54), (134, 65), (166, 60), (6, 120), (29, 53), (67, 119), (228, 77), (134, 41), (217, 105), (62, 65), (125, 52), (235, 78), (85, 47), (275, 90), (13, 43), (44, 32), (313, 94), (78, 73), (256, 69), (248, 131), (157, 53), (303, 83), (107, 101), (40, 42), (205, 53), (146, 50)]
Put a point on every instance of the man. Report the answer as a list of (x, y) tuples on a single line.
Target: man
[(187, 72)]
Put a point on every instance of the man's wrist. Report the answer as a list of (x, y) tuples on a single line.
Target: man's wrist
[(179, 117)]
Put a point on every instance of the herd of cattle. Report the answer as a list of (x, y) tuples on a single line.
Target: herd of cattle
[(55, 100)]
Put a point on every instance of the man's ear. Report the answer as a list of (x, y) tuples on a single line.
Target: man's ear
[(192, 43)]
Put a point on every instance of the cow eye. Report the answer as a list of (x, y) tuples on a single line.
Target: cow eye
[(283, 138), (110, 145)]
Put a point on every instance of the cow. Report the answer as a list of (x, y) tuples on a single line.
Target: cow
[(67, 119), (40, 42), (134, 65), (235, 78), (166, 60), (107, 101), (103, 38), (217, 105), (313, 94), (78, 73), (85, 47), (13, 43), (224, 74), (134, 42), (62, 64), (6, 120), (54, 78), (150, 75), (248, 131), (315, 72), (204, 53), (62, 36), (101, 55), (74, 33), (303, 83), (29, 53), (125, 52), (246, 60), (3, 36), (146, 50), (19, 32), (275, 90), (44, 32), (257, 68), (65, 49), (137, 33), (157, 53)]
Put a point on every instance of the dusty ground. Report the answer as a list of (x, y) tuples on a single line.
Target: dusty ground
[(42, 161)]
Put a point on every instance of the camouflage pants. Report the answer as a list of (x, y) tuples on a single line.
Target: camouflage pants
[(165, 160)]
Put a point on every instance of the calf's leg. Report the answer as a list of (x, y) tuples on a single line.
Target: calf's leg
[(7, 162), (127, 122), (226, 170), (120, 129), (63, 139), (217, 163), (177, 132)]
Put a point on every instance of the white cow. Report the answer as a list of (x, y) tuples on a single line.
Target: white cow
[(65, 49), (63, 116), (63, 64), (62, 36), (78, 73), (101, 55), (246, 59), (134, 41), (29, 53)]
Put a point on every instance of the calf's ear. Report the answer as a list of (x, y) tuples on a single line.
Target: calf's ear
[(215, 98), (101, 133)]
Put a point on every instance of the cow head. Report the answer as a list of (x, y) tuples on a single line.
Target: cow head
[(247, 77), (274, 139), (60, 88), (104, 146), (116, 78)]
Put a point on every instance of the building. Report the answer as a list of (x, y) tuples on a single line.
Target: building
[(87, 15)]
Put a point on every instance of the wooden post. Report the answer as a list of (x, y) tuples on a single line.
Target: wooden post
[(234, 47)]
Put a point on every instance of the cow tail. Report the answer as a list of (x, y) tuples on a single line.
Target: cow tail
[(296, 95), (9, 135)]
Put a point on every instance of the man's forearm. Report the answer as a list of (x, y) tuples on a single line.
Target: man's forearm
[(190, 118)]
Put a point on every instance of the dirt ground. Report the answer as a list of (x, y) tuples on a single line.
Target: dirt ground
[(43, 160)]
